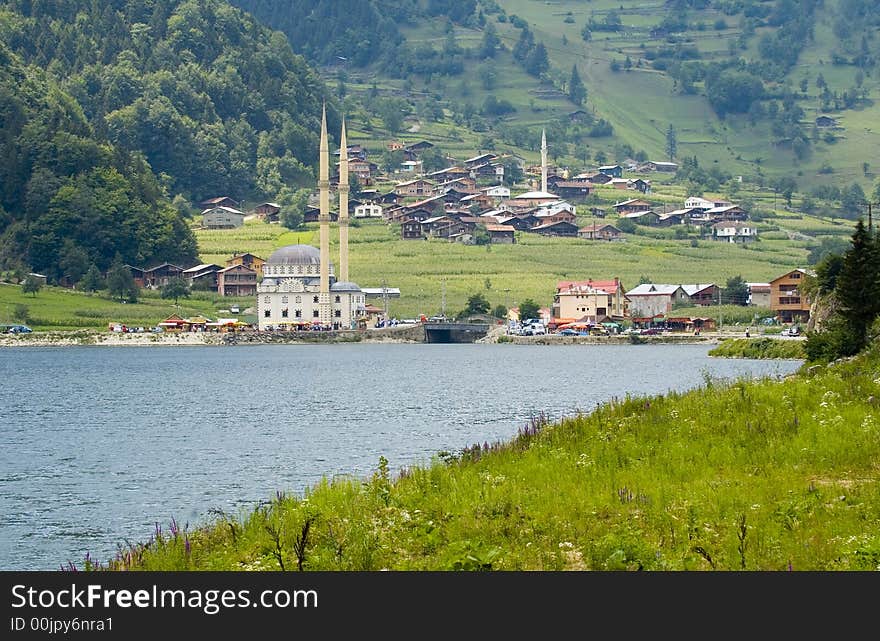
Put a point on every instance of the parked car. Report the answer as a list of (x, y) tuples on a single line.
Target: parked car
[(651, 331), (568, 331), (19, 329), (535, 329), (794, 330)]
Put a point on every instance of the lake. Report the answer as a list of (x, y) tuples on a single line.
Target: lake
[(97, 444)]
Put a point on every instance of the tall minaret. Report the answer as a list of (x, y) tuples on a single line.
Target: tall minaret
[(544, 160), (343, 207), (324, 313)]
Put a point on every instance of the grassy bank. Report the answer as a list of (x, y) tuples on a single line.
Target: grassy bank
[(754, 475), (759, 348)]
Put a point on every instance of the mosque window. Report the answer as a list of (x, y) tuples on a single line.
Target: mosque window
[(298, 299), (267, 313), (338, 299), (338, 313), (284, 313), (299, 269), (284, 300), (298, 313), (315, 313), (315, 299), (266, 300)]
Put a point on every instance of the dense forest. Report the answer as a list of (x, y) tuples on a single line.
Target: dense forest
[(109, 110)]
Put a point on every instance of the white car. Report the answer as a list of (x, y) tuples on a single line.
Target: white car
[(535, 329)]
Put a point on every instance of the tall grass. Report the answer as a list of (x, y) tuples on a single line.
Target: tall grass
[(748, 475), (759, 348)]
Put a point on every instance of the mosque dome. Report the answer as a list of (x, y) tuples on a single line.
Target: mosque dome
[(344, 286), (295, 255)]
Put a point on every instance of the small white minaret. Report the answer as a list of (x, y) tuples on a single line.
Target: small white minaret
[(544, 160), (343, 206), (325, 314)]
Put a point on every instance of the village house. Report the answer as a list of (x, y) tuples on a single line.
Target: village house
[(547, 216), (698, 202), (702, 293), (202, 277), (161, 275), (573, 188), (598, 231), (220, 201), (368, 210), (727, 212), (237, 280), (759, 294), (639, 184), (503, 234), (465, 185), (480, 160), (597, 178), (137, 274), (268, 212), (619, 183), (411, 229), (251, 261), (451, 173), (221, 217), (658, 165), (615, 171), (786, 299), (496, 191), (590, 301), (671, 218), (364, 170), (524, 223), (642, 217), (411, 167), (649, 300), (631, 205), (558, 228), (313, 214), (734, 231), (417, 187), (354, 152)]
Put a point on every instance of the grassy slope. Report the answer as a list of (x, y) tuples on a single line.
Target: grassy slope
[(762, 475), (642, 103), (759, 348)]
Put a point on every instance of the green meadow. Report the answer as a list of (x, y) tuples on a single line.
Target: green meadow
[(766, 475)]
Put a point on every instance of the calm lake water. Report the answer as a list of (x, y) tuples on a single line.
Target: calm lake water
[(99, 443)]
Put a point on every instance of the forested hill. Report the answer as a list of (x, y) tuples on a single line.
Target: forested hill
[(110, 109), (322, 30)]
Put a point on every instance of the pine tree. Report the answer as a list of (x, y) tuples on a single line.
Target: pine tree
[(858, 285), (671, 142), (577, 92)]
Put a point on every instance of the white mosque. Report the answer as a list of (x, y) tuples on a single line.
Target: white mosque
[(299, 287)]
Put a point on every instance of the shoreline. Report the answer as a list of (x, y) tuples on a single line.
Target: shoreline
[(403, 335)]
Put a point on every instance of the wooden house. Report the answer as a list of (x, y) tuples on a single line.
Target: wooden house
[(559, 228), (596, 231), (786, 298), (504, 234), (222, 217), (237, 280), (251, 261)]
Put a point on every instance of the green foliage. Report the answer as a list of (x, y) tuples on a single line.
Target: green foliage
[(856, 281), (92, 281), (733, 91), (31, 285), (736, 292), (21, 312), (528, 309), (476, 304), (175, 289), (759, 348), (577, 91), (120, 282), (293, 206), (500, 311)]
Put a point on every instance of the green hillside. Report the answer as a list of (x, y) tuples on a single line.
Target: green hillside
[(646, 67)]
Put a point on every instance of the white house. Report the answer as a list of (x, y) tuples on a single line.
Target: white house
[(498, 191), (222, 218), (734, 231), (368, 210), (698, 202)]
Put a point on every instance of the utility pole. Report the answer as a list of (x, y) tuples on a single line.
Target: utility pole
[(870, 222), (443, 299), (385, 299)]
